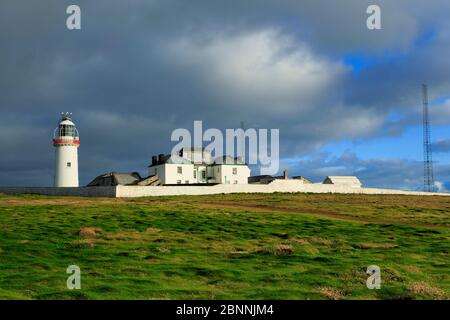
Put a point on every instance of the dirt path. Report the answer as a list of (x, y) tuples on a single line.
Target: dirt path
[(318, 212)]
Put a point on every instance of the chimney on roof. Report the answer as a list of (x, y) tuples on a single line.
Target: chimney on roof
[(160, 157), (285, 174), (154, 160)]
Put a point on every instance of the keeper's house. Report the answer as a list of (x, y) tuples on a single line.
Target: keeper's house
[(197, 167)]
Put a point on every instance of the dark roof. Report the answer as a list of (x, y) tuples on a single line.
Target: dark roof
[(302, 178), (228, 160), (151, 180), (194, 149), (168, 159), (116, 178), (255, 179)]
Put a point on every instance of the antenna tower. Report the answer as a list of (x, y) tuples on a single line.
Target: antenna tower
[(428, 178)]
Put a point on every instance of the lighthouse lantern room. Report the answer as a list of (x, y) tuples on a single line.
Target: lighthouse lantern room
[(66, 142)]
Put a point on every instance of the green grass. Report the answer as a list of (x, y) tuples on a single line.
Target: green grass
[(278, 246)]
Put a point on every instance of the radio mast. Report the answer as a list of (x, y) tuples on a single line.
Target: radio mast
[(428, 177)]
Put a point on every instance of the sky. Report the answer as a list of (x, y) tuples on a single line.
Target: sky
[(346, 99)]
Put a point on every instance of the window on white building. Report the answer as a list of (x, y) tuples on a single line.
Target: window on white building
[(195, 174), (69, 164), (203, 174), (179, 170), (186, 182), (235, 182), (178, 181), (234, 170)]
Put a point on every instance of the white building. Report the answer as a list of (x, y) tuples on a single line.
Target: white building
[(66, 142), (347, 181), (197, 167)]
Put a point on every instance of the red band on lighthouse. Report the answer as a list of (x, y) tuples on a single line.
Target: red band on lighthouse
[(65, 141)]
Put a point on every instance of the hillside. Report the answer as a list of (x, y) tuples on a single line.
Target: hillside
[(253, 246)]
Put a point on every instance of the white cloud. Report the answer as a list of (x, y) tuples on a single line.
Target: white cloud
[(262, 70), (440, 186), (276, 80)]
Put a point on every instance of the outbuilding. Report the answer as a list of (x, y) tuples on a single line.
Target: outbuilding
[(347, 181)]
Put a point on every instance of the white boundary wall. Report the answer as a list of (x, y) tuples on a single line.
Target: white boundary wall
[(288, 186), (69, 191), (284, 186)]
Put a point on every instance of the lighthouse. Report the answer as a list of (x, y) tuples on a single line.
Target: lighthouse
[(66, 142)]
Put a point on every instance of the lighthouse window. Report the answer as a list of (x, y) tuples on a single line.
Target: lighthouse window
[(69, 164), (67, 131)]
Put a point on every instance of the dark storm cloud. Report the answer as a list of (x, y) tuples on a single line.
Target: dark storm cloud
[(139, 69)]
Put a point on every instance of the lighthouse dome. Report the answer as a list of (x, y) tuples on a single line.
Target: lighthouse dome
[(66, 122), (66, 128)]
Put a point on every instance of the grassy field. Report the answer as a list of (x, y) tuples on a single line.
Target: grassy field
[(255, 246)]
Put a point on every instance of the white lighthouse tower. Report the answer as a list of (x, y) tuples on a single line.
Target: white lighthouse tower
[(66, 142)]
